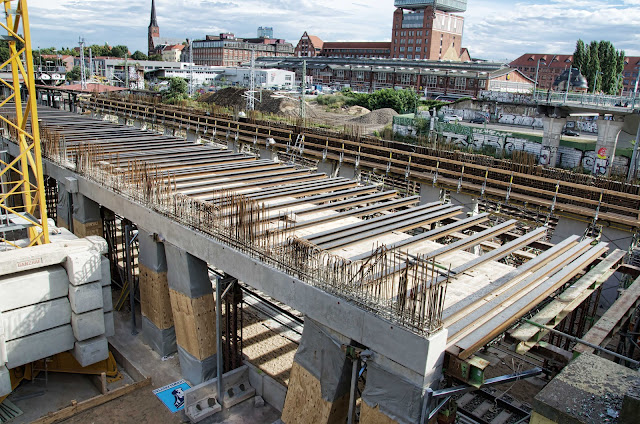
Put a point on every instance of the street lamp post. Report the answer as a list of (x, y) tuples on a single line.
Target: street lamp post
[(535, 92), (566, 93), (595, 80)]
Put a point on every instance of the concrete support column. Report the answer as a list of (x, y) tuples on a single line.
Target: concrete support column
[(157, 318), (63, 212), (86, 217), (551, 140), (428, 193), (608, 132), (469, 203), (320, 378), (393, 394), (193, 308)]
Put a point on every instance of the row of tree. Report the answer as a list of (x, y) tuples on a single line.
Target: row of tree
[(601, 64), (98, 50)]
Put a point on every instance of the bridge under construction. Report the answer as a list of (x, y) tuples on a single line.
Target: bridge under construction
[(371, 267)]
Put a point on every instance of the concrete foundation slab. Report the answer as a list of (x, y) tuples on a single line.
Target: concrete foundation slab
[(83, 267), (32, 287), (162, 341), (88, 325), (86, 297), (585, 391), (88, 352), (35, 318), (194, 370), (40, 345), (5, 381), (109, 327), (107, 299)]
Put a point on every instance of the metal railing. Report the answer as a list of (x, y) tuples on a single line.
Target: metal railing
[(631, 102), (446, 5)]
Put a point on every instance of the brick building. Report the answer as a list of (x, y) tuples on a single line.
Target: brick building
[(428, 30), (432, 78), (313, 46), (550, 66), (227, 50)]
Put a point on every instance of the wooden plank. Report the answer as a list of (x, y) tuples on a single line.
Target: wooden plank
[(76, 408), (516, 310), (553, 313), (475, 313), (604, 328)]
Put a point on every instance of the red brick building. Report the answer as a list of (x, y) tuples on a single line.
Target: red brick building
[(227, 50), (313, 46), (552, 65), (428, 30)]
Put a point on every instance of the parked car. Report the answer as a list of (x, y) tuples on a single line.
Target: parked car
[(479, 120), (568, 131), (452, 118)]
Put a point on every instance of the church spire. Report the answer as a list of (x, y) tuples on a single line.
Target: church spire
[(154, 21)]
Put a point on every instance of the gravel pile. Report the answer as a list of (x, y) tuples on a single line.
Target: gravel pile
[(377, 117)]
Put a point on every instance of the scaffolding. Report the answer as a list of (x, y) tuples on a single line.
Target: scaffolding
[(22, 199)]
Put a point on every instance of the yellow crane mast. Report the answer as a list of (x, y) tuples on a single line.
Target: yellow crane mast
[(23, 191)]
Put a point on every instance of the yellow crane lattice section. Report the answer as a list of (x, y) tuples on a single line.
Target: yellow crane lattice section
[(22, 179)]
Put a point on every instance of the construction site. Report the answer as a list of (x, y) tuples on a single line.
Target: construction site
[(176, 264)]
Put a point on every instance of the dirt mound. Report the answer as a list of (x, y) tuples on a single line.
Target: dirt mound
[(377, 117), (234, 97), (357, 110)]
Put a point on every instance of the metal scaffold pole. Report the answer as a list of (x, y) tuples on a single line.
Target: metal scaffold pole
[(22, 176)]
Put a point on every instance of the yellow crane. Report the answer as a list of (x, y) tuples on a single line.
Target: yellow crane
[(23, 191)]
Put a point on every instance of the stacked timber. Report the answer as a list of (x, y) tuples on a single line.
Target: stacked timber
[(54, 298)]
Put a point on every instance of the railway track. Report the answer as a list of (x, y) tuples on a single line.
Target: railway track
[(484, 407), (500, 180)]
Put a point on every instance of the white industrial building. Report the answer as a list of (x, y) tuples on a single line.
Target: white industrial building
[(211, 75)]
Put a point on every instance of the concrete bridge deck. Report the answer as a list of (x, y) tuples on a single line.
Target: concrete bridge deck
[(306, 240)]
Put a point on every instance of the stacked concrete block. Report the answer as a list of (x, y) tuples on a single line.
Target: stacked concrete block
[(85, 274), (51, 301)]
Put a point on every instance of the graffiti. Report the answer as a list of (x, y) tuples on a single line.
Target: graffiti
[(601, 166), (504, 97), (526, 121)]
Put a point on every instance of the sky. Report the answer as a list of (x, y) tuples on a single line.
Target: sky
[(499, 30)]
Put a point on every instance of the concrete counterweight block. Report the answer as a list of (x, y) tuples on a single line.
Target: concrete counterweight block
[(105, 269), (84, 267), (86, 297), (109, 325), (107, 300), (87, 325), (40, 345), (35, 318), (88, 352), (5, 381), (31, 287)]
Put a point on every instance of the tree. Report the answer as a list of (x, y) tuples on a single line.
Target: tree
[(609, 67), (120, 51), (156, 56), (592, 70), (177, 90), (580, 58), (74, 74), (620, 70), (138, 55)]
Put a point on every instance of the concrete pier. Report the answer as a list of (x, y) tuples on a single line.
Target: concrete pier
[(193, 308), (320, 378), (393, 393), (551, 140), (608, 132), (86, 217), (157, 318)]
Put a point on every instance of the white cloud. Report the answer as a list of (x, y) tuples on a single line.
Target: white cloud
[(494, 29)]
